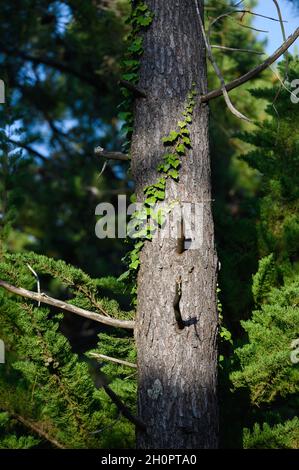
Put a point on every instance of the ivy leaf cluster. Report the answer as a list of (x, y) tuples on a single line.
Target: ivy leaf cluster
[(176, 142), (140, 18)]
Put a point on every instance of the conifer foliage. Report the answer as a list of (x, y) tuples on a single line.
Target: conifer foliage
[(266, 369)]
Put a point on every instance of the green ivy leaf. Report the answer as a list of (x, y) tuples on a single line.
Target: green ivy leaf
[(176, 163), (180, 149), (136, 45), (172, 159), (187, 141), (182, 124), (150, 201), (135, 264), (172, 137), (131, 64), (130, 77), (164, 167), (144, 20), (124, 276), (149, 190), (161, 184), (160, 195), (133, 198), (141, 8), (139, 245), (185, 131), (174, 174)]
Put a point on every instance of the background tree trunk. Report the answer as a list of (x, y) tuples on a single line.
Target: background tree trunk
[(177, 371)]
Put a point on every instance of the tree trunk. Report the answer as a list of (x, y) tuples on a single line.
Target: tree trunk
[(177, 369)]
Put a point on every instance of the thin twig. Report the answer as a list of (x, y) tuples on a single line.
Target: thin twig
[(282, 82), (249, 12), (102, 170), (258, 30), (237, 4), (228, 15), (235, 49), (112, 359), (45, 299), (254, 72), (37, 280)]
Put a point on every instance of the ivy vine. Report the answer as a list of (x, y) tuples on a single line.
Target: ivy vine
[(177, 142), (139, 20)]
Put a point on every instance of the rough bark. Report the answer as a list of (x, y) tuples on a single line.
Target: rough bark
[(177, 369)]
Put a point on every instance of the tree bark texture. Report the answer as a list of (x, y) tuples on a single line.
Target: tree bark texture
[(177, 369)]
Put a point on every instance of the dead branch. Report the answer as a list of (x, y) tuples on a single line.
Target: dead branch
[(45, 299), (254, 72), (99, 151), (112, 359)]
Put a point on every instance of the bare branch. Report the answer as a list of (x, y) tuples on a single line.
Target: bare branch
[(99, 151), (254, 72), (112, 359), (45, 299), (235, 49)]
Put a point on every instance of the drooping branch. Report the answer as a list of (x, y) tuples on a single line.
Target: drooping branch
[(254, 72), (45, 299)]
